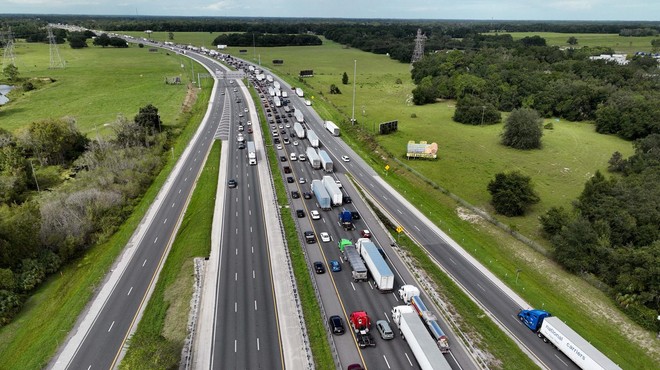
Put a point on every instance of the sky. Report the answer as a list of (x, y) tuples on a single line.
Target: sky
[(623, 10)]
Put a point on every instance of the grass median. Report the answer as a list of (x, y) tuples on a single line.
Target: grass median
[(163, 328)]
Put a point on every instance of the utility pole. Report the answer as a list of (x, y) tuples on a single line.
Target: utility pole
[(354, 78), (55, 60)]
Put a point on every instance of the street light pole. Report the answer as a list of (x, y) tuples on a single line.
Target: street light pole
[(354, 78)]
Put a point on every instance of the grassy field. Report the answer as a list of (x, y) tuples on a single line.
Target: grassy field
[(97, 85), (166, 316), (620, 44), (49, 315)]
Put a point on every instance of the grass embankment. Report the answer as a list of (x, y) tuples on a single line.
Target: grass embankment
[(316, 330), (47, 317), (97, 85), (163, 328)]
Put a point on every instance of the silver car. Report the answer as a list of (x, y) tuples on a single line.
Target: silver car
[(384, 329)]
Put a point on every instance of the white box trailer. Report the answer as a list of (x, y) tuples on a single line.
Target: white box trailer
[(336, 196), (330, 126), (422, 345), (269, 78), (575, 347), (278, 102), (326, 162), (380, 271), (251, 153), (271, 91), (276, 84), (299, 92), (299, 130), (299, 116), (313, 139), (313, 158)]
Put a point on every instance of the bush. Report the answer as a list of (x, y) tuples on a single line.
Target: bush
[(522, 129), (512, 193), (474, 111)]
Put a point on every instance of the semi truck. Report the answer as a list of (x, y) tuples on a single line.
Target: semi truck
[(299, 130), (361, 324), (358, 269), (380, 271), (336, 196), (410, 294), (552, 329), (251, 153), (326, 162), (321, 195), (299, 116), (271, 91), (313, 158), (420, 342), (345, 219), (278, 92), (299, 92), (331, 127), (269, 78), (313, 139), (276, 84)]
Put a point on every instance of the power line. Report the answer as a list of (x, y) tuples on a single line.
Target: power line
[(55, 60), (420, 40), (8, 57)]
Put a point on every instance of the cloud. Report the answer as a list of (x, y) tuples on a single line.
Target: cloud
[(221, 5)]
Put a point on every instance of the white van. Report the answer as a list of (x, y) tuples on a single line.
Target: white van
[(293, 157)]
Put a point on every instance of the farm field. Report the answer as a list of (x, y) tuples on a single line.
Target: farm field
[(97, 85), (620, 44)]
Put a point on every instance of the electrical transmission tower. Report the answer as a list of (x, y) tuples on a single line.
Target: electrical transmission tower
[(418, 53), (55, 60), (8, 56)]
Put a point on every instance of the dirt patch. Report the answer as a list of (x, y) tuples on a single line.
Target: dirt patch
[(469, 216), (191, 98)]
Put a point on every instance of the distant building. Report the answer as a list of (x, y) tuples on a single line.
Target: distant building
[(621, 59)]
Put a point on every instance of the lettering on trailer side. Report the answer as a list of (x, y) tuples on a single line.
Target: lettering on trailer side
[(576, 350)]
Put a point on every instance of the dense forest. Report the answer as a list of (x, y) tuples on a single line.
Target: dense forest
[(47, 219), (261, 40)]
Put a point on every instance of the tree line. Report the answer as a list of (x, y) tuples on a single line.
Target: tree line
[(266, 40), (507, 75), (48, 219)]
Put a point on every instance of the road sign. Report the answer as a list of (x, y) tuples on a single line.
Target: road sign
[(387, 167), (399, 229)]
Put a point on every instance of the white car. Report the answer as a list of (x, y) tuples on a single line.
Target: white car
[(249, 123), (345, 158), (338, 184), (287, 125), (302, 180), (315, 214), (279, 147), (295, 142), (245, 110), (325, 237)]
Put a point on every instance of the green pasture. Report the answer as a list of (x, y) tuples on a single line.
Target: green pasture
[(620, 44), (188, 38), (97, 85)]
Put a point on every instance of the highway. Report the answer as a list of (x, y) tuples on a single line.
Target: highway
[(245, 323), (489, 295), (353, 296)]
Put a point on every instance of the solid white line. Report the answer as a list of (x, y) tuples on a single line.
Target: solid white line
[(235, 307), (253, 274), (410, 362), (236, 276), (237, 251), (255, 304), (235, 344), (129, 291), (257, 344), (236, 213), (387, 362), (253, 249), (111, 325)]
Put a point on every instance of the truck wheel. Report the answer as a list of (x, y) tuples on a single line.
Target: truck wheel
[(539, 335)]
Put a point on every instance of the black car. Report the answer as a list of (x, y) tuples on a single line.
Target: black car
[(355, 215), (287, 169), (307, 195), (232, 183), (336, 325), (319, 267), (310, 238), (290, 180), (276, 140), (295, 194), (241, 145), (282, 158), (347, 199), (300, 213)]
